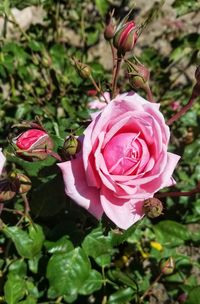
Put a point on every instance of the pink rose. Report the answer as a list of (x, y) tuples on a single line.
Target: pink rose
[(124, 160), (2, 161), (98, 104)]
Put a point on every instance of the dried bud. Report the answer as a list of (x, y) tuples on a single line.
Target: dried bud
[(125, 37), (152, 207), (138, 75), (8, 190), (71, 146), (33, 145), (22, 182), (83, 69), (167, 266)]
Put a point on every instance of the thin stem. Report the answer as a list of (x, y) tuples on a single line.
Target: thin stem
[(178, 193), (116, 74), (113, 50), (98, 88), (186, 107), (26, 204), (150, 287), (149, 93)]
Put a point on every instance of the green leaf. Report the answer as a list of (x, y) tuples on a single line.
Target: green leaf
[(193, 296), (118, 237), (93, 283), (67, 272), (98, 246), (171, 233), (14, 289), (18, 267), (119, 276), (28, 243), (29, 300), (102, 6), (185, 6), (33, 263), (60, 246), (122, 296)]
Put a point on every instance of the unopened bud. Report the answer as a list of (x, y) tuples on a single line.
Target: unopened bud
[(152, 207), (109, 31), (83, 69), (167, 266), (138, 75), (33, 145), (71, 146), (7, 190), (22, 181), (125, 38)]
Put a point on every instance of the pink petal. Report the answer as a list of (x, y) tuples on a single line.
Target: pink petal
[(77, 188), (2, 161), (124, 213)]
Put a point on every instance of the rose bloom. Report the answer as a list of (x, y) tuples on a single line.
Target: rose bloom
[(124, 160), (2, 161)]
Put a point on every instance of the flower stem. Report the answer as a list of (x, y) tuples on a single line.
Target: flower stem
[(195, 94), (179, 193), (150, 287), (149, 93), (99, 90), (116, 74)]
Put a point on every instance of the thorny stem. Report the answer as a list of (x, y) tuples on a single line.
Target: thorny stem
[(190, 103), (98, 88), (116, 74), (150, 287)]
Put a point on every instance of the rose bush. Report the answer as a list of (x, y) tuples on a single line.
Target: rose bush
[(123, 161)]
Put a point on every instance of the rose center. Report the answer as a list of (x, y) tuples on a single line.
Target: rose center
[(122, 153)]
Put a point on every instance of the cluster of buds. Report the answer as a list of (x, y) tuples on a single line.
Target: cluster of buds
[(124, 35), (34, 143), (152, 207)]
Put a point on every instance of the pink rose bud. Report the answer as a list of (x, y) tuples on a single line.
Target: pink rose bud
[(152, 207), (33, 145), (126, 37)]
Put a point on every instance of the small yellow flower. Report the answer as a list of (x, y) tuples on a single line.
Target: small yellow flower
[(156, 245)]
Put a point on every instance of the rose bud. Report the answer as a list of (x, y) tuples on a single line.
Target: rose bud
[(167, 266), (22, 181), (138, 75), (109, 31), (83, 69), (152, 207), (33, 145), (71, 146), (8, 190), (125, 38)]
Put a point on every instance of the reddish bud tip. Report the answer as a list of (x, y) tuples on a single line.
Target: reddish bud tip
[(167, 266)]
